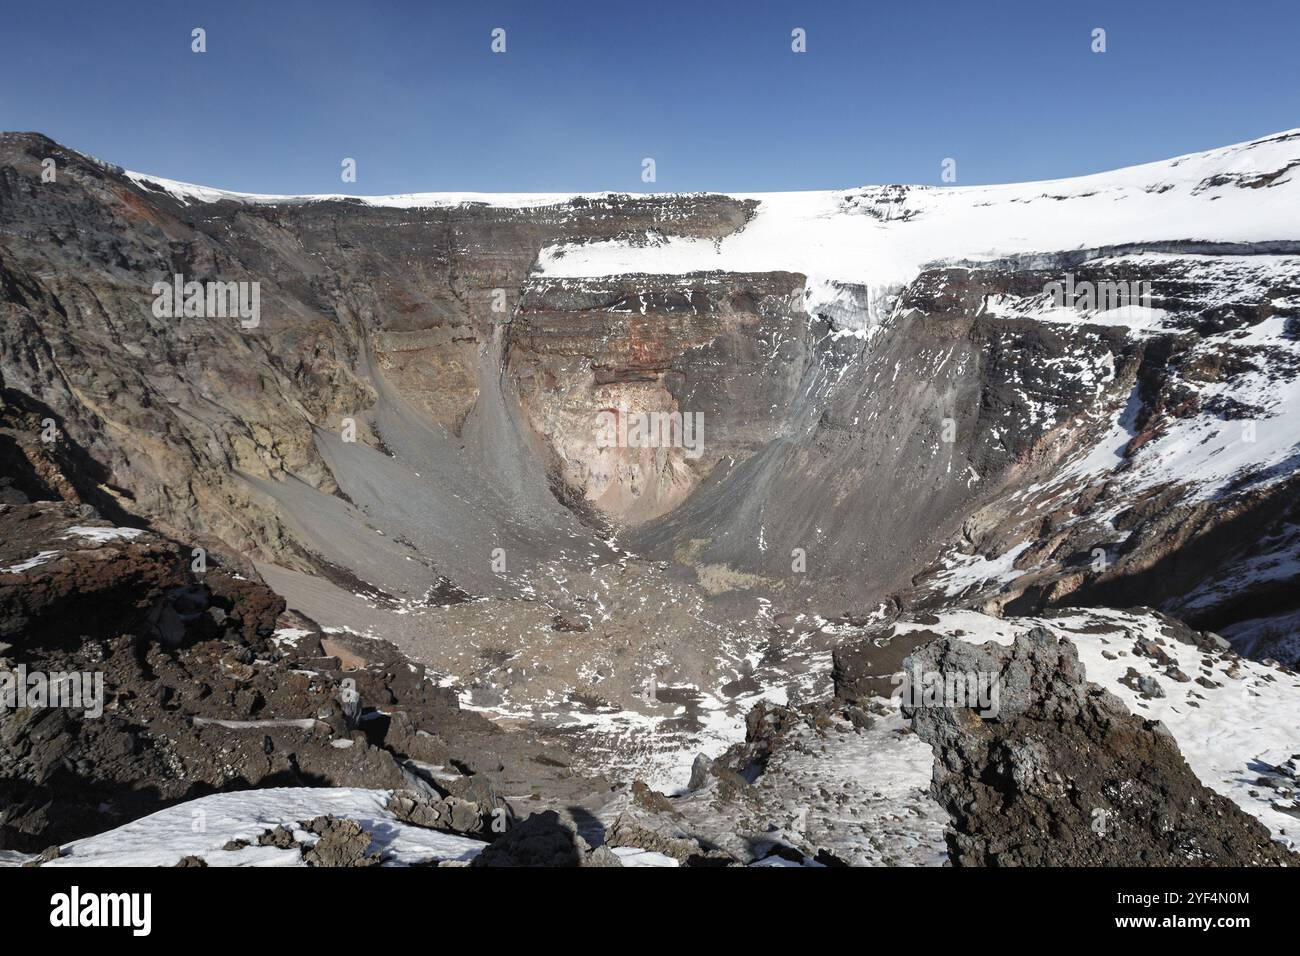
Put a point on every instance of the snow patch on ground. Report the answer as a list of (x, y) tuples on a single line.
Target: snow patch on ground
[(967, 571), (101, 535), (631, 856), (32, 562), (202, 827)]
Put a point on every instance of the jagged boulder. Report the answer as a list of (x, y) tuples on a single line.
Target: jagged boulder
[(484, 817), (1064, 775), (342, 843)]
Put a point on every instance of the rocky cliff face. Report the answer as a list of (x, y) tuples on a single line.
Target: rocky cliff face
[(890, 443), (590, 356), (847, 433), (1193, 478), (357, 304)]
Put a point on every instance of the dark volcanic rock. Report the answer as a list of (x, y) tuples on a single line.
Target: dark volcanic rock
[(220, 706), (281, 838), (1065, 775), (488, 815), (544, 839), (342, 843)]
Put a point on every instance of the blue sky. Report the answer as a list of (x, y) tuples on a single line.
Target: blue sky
[(586, 90)]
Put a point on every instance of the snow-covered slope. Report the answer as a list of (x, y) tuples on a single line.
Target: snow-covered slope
[(881, 236)]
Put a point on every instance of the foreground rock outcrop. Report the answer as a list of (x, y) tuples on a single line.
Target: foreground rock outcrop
[(198, 682), (1064, 775)]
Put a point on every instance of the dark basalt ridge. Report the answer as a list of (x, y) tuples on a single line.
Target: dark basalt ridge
[(1064, 775)]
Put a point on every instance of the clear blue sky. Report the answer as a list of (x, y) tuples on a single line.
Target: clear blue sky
[(711, 90)]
